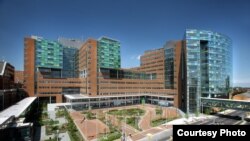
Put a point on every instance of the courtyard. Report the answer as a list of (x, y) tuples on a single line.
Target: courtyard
[(122, 122)]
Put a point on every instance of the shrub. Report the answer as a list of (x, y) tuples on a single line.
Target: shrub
[(158, 111), (111, 136), (72, 128)]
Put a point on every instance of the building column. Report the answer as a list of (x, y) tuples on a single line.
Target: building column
[(109, 100), (70, 103), (99, 103), (89, 103)]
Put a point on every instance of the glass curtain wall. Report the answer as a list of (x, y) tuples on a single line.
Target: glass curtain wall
[(209, 66)]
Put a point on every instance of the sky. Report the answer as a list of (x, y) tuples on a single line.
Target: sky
[(138, 24)]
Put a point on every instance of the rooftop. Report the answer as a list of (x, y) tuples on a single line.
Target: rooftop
[(80, 96), (246, 94), (16, 110)]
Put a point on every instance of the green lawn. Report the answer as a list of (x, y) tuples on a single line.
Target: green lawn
[(127, 112), (111, 136), (51, 129), (161, 121), (133, 121), (158, 111), (89, 115), (60, 113), (48, 122), (71, 128), (158, 122)]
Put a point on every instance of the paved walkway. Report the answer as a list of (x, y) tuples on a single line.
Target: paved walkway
[(62, 136), (90, 129), (150, 131), (145, 122)]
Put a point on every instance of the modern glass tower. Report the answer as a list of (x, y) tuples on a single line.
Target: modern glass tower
[(48, 54), (208, 62), (69, 62), (108, 53), (169, 64)]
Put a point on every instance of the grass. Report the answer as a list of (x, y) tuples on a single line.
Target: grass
[(161, 121), (89, 115), (51, 126), (158, 111), (158, 122), (63, 128), (50, 129), (127, 112), (111, 136), (60, 113), (133, 121), (72, 130), (52, 139), (133, 116), (48, 122)]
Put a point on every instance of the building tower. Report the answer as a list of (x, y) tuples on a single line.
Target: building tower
[(208, 65)]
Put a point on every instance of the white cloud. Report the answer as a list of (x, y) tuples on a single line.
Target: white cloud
[(138, 57)]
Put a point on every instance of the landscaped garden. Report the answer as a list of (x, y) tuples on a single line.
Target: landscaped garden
[(114, 131), (89, 115), (160, 121), (133, 121), (130, 116), (127, 112), (53, 127), (158, 111), (115, 121), (71, 128), (111, 136)]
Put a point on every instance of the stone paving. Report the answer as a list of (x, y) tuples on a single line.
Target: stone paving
[(145, 122), (62, 136), (150, 131), (90, 129)]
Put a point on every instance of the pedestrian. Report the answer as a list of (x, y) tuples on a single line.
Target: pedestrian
[(83, 120)]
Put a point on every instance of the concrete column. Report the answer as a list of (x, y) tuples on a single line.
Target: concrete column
[(99, 103), (89, 103)]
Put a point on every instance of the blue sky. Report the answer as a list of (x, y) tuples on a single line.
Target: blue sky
[(138, 24)]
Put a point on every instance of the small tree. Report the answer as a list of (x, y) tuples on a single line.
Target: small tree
[(207, 111)]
